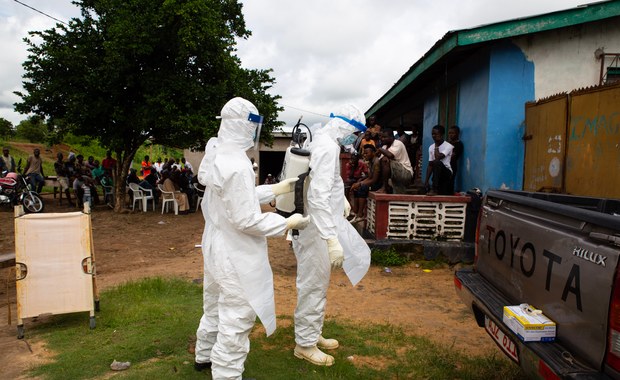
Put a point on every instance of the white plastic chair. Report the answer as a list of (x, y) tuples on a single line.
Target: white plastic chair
[(199, 194), (167, 197), (148, 196), (108, 194), (138, 196)]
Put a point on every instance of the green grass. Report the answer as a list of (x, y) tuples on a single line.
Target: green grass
[(391, 257), (387, 258), (151, 323)]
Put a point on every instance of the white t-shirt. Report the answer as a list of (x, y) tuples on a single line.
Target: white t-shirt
[(445, 148), (399, 151)]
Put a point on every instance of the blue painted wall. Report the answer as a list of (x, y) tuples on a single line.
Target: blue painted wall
[(473, 110), (431, 117), (473, 83), (511, 84), (493, 89)]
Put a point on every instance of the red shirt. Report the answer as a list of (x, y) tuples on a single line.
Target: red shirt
[(146, 168), (357, 172), (108, 163)]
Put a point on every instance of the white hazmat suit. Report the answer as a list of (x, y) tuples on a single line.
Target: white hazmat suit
[(328, 239), (238, 282)]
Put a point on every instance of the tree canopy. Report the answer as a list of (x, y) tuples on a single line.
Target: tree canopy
[(131, 70), (32, 129), (6, 128)]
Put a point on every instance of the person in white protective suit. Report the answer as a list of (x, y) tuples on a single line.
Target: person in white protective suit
[(329, 241), (238, 282)]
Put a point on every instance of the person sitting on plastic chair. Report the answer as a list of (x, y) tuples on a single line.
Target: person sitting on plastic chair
[(170, 184)]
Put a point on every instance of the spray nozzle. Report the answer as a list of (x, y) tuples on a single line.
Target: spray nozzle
[(299, 136)]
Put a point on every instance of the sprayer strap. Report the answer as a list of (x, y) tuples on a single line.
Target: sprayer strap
[(299, 192)]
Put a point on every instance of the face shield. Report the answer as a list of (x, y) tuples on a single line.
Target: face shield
[(258, 121), (349, 130)]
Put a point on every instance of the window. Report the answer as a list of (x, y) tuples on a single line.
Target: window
[(613, 75), (610, 66)]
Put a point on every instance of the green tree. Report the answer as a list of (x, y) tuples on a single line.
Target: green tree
[(32, 129), (131, 70), (6, 128)]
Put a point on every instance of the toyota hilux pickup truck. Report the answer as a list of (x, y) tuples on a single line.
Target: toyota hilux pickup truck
[(559, 254)]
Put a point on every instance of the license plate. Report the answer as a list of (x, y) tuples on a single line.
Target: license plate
[(502, 340)]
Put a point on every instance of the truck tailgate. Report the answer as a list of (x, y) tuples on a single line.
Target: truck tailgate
[(555, 257), (488, 301)]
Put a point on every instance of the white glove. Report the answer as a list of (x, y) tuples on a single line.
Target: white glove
[(297, 222), (347, 207), (336, 254), (284, 186)]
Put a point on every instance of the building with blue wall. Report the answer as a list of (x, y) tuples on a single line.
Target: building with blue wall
[(481, 78)]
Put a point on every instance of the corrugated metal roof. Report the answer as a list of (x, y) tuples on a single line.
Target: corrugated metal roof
[(491, 32)]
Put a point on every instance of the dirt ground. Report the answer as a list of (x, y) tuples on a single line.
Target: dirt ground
[(134, 245)]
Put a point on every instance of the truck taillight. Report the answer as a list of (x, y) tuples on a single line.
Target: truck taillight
[(546, 372), (613, 334), (458, 283)]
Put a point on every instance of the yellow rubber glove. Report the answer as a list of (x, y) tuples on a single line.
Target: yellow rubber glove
[(297, 222), (336, 254), (284, 186), (347, 207)]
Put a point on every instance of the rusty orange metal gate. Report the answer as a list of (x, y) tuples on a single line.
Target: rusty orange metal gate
[(545, 147), (573, 143)]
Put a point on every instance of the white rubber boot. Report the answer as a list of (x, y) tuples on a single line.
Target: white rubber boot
[(327, 344), (313, 355)]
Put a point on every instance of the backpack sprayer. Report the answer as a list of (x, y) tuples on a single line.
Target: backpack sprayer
[(296, 164)]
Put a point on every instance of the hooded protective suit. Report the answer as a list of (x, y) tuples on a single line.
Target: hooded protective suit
[(325, 206), (238, 282)]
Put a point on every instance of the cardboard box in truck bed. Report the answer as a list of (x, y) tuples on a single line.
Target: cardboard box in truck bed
[(529, 323)]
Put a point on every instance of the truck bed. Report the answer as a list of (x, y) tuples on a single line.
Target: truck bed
[(486, 300), (558, 253)]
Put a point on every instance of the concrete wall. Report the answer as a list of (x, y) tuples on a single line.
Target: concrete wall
[(472, 111), (431, 118), (472, 119), (564, 59), (511, 84), (194, 158), (493, 89)]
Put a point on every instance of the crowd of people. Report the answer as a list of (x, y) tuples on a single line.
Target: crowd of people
[(388, 161), (82, 180), (172, 176)]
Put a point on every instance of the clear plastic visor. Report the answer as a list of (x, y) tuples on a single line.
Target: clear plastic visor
[(258, 120)]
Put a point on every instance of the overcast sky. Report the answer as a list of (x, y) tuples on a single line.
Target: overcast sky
[(324, 52)]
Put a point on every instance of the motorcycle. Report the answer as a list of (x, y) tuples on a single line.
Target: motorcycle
[(15, 189)]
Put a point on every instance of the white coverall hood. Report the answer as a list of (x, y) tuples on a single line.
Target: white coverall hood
[(338, 128), (235, 127)]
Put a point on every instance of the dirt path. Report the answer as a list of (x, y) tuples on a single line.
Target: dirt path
[(137, 245)]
